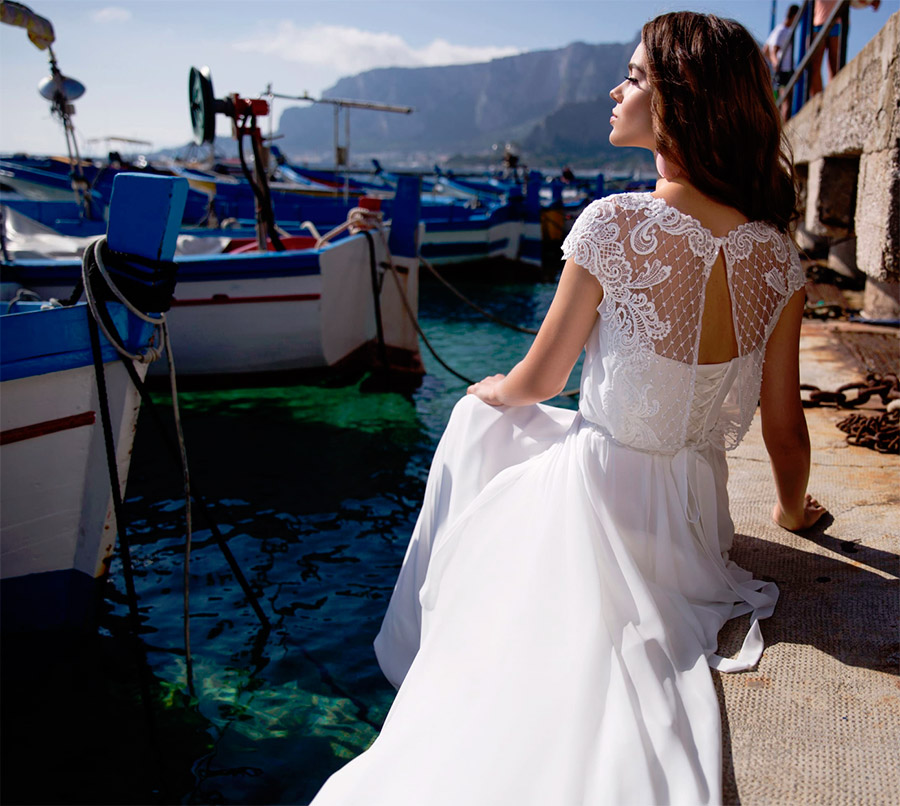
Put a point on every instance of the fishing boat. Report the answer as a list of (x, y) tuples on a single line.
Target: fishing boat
[(60, 394), (320, 304), (270, 307), (41, 188), (259, 316), (509, 230)]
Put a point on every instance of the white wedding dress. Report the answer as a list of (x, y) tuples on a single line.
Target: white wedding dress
[(555, 618)]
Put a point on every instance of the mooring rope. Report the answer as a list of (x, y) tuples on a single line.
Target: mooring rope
[(415, 323), (94, 253), (475, 307), (359, 219), (143, 667), (414, 319), (188, 511)]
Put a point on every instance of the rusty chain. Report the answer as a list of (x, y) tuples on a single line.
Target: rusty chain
[(878, 432), (886, 386)]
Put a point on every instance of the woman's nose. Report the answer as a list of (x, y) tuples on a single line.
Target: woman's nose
[(615, 93)]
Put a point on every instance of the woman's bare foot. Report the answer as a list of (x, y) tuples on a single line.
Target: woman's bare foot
[(808, 517)]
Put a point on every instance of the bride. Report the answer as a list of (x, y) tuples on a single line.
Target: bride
[(555, 618)]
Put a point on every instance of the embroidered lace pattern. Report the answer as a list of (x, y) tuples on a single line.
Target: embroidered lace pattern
[(653, 262)]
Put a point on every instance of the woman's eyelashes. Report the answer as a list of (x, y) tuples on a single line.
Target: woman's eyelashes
[(631, 79)]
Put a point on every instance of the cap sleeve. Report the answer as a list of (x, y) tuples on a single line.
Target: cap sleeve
[(796, 277), (594, 241)]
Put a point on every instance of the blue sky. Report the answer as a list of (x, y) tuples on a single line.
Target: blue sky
[(134, 55)]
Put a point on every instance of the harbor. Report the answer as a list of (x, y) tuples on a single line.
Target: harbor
[(276, 712), (297, 336)]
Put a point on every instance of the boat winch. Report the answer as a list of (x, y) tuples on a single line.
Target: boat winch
[(243, 113)]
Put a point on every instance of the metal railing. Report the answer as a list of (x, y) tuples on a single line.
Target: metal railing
[(798, 84)]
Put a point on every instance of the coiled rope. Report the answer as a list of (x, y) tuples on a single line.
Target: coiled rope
[(358, 219), (93, 257)]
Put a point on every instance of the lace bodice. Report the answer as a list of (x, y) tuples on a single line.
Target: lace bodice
[(640, 380)]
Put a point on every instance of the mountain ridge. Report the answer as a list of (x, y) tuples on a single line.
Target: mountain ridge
[(539, 100)]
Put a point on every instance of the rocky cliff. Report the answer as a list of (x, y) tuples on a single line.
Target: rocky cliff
[(554, 103)]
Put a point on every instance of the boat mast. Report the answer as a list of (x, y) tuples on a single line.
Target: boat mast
[(342, 152)]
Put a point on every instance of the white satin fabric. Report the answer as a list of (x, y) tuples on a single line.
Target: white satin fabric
[(554, 621)]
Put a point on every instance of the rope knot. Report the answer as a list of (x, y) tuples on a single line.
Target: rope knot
[(361, 219)]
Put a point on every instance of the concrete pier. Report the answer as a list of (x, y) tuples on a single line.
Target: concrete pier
[(818, 721), (846, 144)]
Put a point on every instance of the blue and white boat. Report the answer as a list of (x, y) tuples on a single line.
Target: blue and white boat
[(43, 191), (57, 521), (57, 526), (252, 316)]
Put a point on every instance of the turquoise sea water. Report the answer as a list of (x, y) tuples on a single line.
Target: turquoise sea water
[(317, 490)]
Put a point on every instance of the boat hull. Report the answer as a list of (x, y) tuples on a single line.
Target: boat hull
[(57, 525), (268, 314), (255, 315)]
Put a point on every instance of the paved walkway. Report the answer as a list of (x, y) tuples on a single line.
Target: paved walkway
[(818, 722)]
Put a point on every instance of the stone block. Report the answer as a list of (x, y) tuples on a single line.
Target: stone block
[(878, 215), (881, 299), (831, 196), (846, 141)]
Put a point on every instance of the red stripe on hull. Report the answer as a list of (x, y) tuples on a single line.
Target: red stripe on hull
[(48, 427), (224, 299)]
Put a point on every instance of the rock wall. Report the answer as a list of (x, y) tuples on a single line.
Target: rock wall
[(846, 144)]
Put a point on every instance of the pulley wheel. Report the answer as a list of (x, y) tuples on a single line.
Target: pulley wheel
[(203, 105)]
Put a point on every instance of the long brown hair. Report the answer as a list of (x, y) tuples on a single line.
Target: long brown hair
[(714, 114)]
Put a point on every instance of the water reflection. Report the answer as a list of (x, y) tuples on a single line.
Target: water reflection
[(316, 490)]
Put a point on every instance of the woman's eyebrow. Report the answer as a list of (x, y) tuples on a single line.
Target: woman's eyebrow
[(633, 66)]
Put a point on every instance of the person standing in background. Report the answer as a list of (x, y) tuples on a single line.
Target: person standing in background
[(821, 12), (779, 52)]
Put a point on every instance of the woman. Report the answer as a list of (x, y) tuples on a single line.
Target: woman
[(556, 615)]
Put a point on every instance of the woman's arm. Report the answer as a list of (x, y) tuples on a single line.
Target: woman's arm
[(543, 372), (784, 424)]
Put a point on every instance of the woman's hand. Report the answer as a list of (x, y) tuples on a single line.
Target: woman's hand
[(487, 390), (806, 518)]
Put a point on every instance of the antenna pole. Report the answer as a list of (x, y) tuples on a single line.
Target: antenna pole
[(64, 110), (342, 153), (347, 152)]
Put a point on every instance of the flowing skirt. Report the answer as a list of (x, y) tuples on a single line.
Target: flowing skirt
[(554, 622)]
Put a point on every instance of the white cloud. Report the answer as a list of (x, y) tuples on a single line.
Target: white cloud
[(351, 50), (111, 14)]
